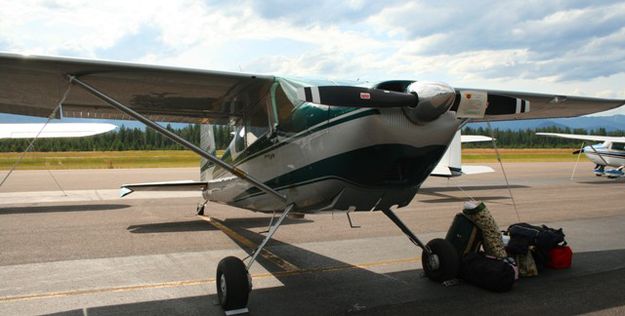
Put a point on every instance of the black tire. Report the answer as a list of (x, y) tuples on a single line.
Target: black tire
[(448, 261), (232, 273)]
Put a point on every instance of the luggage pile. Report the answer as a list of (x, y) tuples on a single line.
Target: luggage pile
[(494, 261)]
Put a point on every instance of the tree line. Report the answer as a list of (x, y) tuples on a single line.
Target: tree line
[(120, 139), (146, 139), (528, 139)]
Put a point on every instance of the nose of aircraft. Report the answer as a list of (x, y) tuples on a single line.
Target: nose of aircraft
[(435, 98)]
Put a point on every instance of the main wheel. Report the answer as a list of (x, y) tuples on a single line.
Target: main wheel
[(233, 283), (443, 263)]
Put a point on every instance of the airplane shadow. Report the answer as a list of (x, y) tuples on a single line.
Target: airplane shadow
[(593, 284), (469, 188), (62, 208), (201, 225), (605, 182)]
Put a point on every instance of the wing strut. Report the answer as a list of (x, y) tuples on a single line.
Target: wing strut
[(132, 113)]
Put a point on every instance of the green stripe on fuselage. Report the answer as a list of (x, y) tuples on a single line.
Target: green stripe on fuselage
[(388, 167), (264, 144)]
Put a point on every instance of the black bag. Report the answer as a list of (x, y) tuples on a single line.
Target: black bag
[(543, 239), (492, 274), (541, 236), (518, 245), (464, 235)]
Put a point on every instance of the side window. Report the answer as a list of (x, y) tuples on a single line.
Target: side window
[(618, 146), (250, 128), (282, 106)]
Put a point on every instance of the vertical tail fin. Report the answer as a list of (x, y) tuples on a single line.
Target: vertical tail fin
[(450, 164), (207, 141)]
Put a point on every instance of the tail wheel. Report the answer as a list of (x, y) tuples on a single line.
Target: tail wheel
[(233, 283), (442, 264)]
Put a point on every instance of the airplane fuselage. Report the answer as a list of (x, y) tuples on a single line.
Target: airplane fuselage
[(612, 158), (351, 159)]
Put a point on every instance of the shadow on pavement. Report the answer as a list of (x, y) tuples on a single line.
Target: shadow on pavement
[(62, 208)]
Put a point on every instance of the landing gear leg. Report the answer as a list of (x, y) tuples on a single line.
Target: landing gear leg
[(439, 258), (234, 283), (200, 208)]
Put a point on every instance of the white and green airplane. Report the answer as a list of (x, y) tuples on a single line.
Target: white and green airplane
[(299, 146)]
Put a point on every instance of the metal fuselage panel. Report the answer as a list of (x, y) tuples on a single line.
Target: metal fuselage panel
[(364, 159), (614, 158)]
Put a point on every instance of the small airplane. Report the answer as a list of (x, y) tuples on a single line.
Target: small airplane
[(299, 145), (611, 152), (53, 130)]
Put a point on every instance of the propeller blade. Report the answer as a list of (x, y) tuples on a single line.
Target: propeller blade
[(350, 96)]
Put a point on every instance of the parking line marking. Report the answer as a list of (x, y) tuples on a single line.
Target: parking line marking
[(272, 257)]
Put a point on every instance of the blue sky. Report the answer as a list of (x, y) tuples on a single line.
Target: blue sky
[(565, 47)]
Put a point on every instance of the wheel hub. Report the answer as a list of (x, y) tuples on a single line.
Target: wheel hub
[(433, 261), (223, 287)]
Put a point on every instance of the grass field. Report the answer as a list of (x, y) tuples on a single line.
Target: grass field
[(181, 158), (477, 155)]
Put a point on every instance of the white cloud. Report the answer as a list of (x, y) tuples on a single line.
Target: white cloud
[(567, 45)]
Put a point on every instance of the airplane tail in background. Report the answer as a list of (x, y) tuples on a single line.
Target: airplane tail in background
[(451, 163), (207, 141)]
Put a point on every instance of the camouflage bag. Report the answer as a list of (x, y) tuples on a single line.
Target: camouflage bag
[(491, 236), (527, 265)]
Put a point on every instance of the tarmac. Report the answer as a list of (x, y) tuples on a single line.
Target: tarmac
[(70, 246)]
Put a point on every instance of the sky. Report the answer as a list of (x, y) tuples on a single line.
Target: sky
[(564, 47)]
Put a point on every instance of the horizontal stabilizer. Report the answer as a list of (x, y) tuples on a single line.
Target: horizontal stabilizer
[(184, 185), (53, 130), (476, 169)]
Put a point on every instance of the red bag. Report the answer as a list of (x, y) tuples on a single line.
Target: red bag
[(560, 257)]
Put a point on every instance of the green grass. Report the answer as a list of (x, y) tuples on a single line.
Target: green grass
[(183, 158), (477, 155), (101, 160)]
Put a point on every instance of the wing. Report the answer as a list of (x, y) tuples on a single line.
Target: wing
[(595, 138), (53, 130), (474, 138), (513, 105), (34, 85)]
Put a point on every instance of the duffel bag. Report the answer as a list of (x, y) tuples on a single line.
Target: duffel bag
[(493, 274)]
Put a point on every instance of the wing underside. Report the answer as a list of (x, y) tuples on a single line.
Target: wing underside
[(34, 86)]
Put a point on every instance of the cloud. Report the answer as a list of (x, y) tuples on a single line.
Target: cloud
[(559, 44)]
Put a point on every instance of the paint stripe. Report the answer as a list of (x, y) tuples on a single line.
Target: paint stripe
[(270, 256), (316, 98), (175, 284)]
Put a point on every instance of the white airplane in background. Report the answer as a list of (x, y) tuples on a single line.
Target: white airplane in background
[(53, 130), (611, 152), (301, 146)]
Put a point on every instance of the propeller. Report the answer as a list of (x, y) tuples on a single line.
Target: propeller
[(421, 101)]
